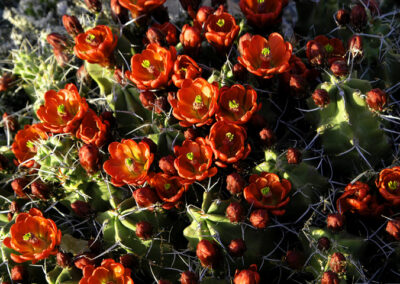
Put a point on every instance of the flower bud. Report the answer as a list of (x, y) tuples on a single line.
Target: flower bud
[(294, 259), (342, 17), (335, 222), (189, 277), (151, 144), (191, 39), (128, 260), (191, 133), (339, 68), (267, 137), (259, 218), (19, 274), (298, 86), (330, 277), (119, 13), (19, 186), (376, 99), (147, 99), (144, 230), (166, 164), (358, 17), (145, 196), (235, 183), (324, 243), (202, 14), (161, 105), (58, 41), (81, 208), (321, 98), (237, 248), (235, 212), (247, 276), (93, 5), (83, 76), (293, 156), (208, 253), (239, 72), (393, 228), (40, 189), (337, 263), (119, 76), (72, 25), (5, 81), (62, 57), (356, 46), (10, 122), (84, 259), (89, 157), (63, 259), (316, 52), (154, 35)]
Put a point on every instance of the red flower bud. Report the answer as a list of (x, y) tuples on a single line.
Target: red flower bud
[(84, 259), (119, 13), (19, 185), (161, 105), (294, 259), (72, 25), (247, 276), (315, 52), (63, 259), (293, 156), (342, 17), (191, 39), (298, 85), (330, 277), (235, 183), (89, 157), (189, 277), (358, 17), (83, 76), (147, 99), (337, 263), (191, 133), (235, 212), (259, 218), (321, 98), (208, 253), (356, 46), (267, 137), (62, 57), (202, 15), (339, 68), (324, 243), (119, 76), (154, 35), (93, 5), (166, 164), (10, 122), (81, 208), (145, 196), (5, 81), (58, 41), (393, 228), (19, 274), (376, 99), (40, 189), (335, 222), (237, 248), (144, 230)]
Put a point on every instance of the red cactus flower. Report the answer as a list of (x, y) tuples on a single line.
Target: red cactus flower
[(62, 111), (109, 272), (261, 13), (236, 104), (129, 162), (92, 130), (247, 276), (96, 45), (195, 102), (169, 188), (357, 198), (194, 159), (268, 191), (264, 57), (389, 185), (140, 7), (221, 29), (152, 68), (24, 147), (33, 236), (185, 68), (227, 141)]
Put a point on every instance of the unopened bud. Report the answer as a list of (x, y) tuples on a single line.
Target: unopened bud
[(267, 137), (63, 259), (19, 274), (81, 208), (189, 277), (203, 13), (119, 13), (19, 186), (321, 97), (147, 99), (316, 52), (324, 243), (237, 248), (235, 212), (144, 230), (191, 39), (339, 68), (293, 156), (376, 99), (10, 122), (247, 276), (145, 196), (119, 76), (259, 218), (356, 46), (208, 253), (330, 277), (342, 17), (58, 41), (72, 25), (358, 17), (5, 81), (161, 105), (84, 259), (166, 164), (393, 228), (335, 222), (93, 5), (191, 133), (337, 263), (235, 183), (154, 35), (40, 189), (83, 76), (89, 158)]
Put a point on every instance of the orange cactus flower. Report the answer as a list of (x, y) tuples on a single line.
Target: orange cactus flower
[(24, 147), (33, 236), (227, 141), (140, 7), (262, 13), (129, 162), (92, 130), (152, 68), (185, 68), (195, 102), (264, 57), (357, 198), (236, 104), (194, 159), (62, 111), (389, 185), (221, 29), (96, 45), (268, 191), (109, 272), (169, 188), (322, 48)]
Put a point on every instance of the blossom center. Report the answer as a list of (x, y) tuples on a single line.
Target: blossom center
[(266, 51), (61, 109), (329, 48), (265, 190), (393, 184), (233, 105), (129, 162), (221, 23), (230, 136), (260, 1), (146, 63), (198, 103), (30, 144), (190, 156), (91, 39), (27, 236), (167, 186)]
